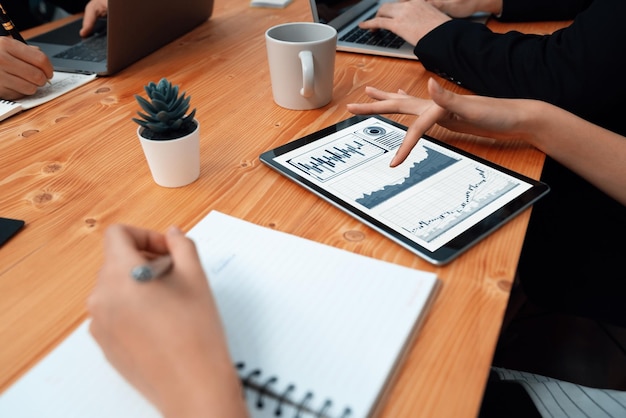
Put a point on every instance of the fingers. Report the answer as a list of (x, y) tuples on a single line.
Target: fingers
[(437, 111), (185, 256), (427, 120), (429, 112), (126, 238), (384, 17), (410, 140), (377, 94), (388, 102), (89, 22), (126, 247), (444, 98), (23, 69), (93, 10)]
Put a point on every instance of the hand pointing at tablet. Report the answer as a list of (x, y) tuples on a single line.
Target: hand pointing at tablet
[(559, 134)]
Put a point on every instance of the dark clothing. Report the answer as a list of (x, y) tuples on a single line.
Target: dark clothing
[(506, 399), (26, 14), (571, 255), (569, 68), (541, 10)]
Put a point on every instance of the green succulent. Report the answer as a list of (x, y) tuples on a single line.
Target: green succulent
[(165, 110)]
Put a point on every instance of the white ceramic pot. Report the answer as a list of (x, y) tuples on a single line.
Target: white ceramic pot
[(174, 162)]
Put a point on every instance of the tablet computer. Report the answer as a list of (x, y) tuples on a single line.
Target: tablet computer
[(437, 203)]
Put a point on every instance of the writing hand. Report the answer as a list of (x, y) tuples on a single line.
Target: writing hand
[(164, 336), (23, 68)]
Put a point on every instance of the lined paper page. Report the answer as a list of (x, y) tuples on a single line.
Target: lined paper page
[(326, 320)]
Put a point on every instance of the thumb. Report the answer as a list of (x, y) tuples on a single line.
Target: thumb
[(184, 254), (442, 97)]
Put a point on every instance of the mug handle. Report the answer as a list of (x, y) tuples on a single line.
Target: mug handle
[(306, 57)]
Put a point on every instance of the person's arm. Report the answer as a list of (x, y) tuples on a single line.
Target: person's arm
[(540, 10), (514, 10), (164, 336), (23, 69), (466, 8), (568, 68), (592, 152)]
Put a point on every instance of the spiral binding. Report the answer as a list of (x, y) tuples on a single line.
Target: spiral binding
[(254, 380)]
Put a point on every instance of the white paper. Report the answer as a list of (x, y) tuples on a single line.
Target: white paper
[(60, 83)]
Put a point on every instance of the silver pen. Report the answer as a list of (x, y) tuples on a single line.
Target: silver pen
[(153, 269)]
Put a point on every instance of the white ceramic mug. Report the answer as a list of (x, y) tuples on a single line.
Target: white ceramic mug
[(301, 58)]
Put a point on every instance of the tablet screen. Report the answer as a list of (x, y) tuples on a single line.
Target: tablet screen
[(437, 203)]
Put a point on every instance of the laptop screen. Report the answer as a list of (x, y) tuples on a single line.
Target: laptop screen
[(339, 13)]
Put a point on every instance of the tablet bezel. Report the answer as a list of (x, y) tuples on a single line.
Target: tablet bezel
[(450, 250)]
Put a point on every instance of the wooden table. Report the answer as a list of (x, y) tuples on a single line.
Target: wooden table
[(74, 166)]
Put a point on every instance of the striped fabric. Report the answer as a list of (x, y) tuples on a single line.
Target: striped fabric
[(556, 398)]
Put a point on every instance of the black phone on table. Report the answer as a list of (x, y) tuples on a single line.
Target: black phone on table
[(8, 228)]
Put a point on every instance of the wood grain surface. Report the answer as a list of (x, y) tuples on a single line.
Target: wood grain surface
[(73, 166)]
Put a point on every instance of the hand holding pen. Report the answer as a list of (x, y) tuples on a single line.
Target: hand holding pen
[(23, 68), (163, 335), (9, 26)]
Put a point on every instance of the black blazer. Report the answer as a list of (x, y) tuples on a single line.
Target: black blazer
[(23, 18), (578, 68)]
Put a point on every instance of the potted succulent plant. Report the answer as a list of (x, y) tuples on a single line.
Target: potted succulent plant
[(169, 136)]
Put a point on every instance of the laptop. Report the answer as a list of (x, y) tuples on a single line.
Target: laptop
[(346, 16), (132, 30)]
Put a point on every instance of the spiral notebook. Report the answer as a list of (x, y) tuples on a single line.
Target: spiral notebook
[(314, 331)]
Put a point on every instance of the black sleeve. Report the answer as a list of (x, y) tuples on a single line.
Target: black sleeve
[(23, 17), (536, 10), (71, 6), (570, 68), (20, 15)]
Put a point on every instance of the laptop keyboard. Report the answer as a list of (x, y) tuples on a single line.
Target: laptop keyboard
[(92, 49), (379, 37)]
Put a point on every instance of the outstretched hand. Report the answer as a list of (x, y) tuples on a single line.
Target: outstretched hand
[(476, 115)]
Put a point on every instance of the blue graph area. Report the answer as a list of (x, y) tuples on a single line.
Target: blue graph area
[(434, 163)]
